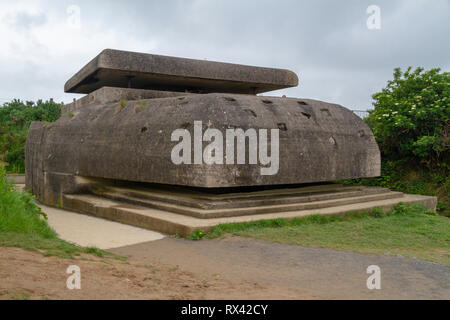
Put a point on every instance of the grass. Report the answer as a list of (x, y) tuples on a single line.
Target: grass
[(24, 225), (121, 105), (16, 294), (407, 230), (49, 246)]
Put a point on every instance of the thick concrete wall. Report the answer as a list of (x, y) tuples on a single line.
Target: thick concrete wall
[(318, 142), (111, 94), (34, 171)]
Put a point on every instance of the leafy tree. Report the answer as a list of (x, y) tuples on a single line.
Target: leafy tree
[(15, 119), (411, 118)]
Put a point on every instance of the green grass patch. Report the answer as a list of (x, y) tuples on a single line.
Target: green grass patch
[(197, 235), (407, 230), (24, 225), (50, 246)]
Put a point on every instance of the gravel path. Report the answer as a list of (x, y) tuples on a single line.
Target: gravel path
[(313, 272)]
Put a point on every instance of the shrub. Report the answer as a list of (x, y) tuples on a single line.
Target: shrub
[(411, 118), (15, 119)]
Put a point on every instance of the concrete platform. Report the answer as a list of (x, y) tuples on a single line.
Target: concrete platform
[(94, 232), (89, 231), (206, 206), (183, 220), (116, 68), (16, 178)]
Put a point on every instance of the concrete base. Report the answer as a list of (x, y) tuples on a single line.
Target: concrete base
[(205, 205), (15, 178), (169, 214)]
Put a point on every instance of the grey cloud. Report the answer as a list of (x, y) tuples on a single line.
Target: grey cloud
[(25, 21), (326, 42)]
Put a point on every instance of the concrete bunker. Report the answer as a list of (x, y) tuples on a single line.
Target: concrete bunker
[(119, 136)]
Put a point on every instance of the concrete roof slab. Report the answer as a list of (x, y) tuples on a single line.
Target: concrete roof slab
[(125, 69)]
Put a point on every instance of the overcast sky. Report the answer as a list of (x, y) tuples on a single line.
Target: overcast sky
[(327, 43)]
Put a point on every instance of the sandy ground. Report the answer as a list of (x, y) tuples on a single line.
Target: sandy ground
[(29, 275), (233, 268)]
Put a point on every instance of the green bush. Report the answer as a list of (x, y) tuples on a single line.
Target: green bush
[(411, 118), (411, 123), (19, 212), (15, 119)]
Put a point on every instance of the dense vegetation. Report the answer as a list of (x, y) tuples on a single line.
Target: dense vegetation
[(411, 123), (411, 119), (19, 213), (15, 119)]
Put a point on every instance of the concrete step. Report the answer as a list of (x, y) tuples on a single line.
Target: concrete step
[(173, 223), (186, 198), (211, 195), (253, 207)]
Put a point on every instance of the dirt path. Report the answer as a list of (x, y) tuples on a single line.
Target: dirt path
[(298, 272), (29, 275), (234, 268)]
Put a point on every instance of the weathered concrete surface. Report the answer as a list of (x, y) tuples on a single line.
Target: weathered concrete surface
[(125, 69), (111, 94), (175, 223), (15, 178), (206, 201), (89, 231), (132, 142), (34, 162), (250, 203)]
